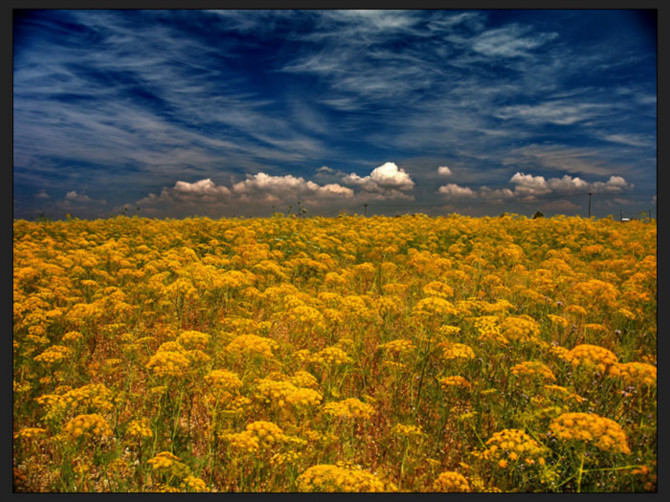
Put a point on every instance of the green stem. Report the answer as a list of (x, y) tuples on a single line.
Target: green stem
[(581, 471)]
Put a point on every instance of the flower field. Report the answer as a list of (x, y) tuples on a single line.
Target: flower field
[(410, 354)]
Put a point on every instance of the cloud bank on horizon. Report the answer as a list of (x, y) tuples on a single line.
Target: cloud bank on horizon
[(223, 113)]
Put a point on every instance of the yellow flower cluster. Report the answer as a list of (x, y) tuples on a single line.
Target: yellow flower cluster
[(192, 484), (282, 392), (139, 429), (591, 357), (168, 363), (447, 330), (635, 373), (434, 306), (304, 397), (169, 463), (331, 356), (398, 347), (523, 329), (223, 382), (451, 482), (576, 310), (304, 379), (54, 354), (534, 369), (561, 393), (72, 337), (92, 397), (515, 446), (284, 458), (558, 320), (407, 431), (257, 435), (30, 433), (349, 408), (595, 328), (603, 433), (489, 328), (449, 382), (91, 426), (268, 433), (307, 316), (438, 288), (193, 340), (456, 351), (252, 345), (270, 391), (336, 478)]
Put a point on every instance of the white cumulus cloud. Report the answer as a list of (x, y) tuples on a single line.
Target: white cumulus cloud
[(384, 182), (453, 190), (202, 187), (444, 171), (73, 196)]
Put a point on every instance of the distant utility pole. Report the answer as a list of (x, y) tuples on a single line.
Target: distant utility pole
[(365, 209), (589, 204)]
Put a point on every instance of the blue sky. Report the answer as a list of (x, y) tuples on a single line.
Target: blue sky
[(246, 112)]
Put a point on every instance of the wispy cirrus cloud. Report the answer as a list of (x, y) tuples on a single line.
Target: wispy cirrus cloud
[(511, 41)]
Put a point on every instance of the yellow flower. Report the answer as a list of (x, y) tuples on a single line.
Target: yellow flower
[(335, 478), (591, 357), (30, 432), (90, 426), (169, 463), (561, 393), (72, 337), (451, 482), (223, 382), (437, 288), (533, 369), (140, 429), (407, 431), (434, 306), (193, 339), (168, 363), (520, 328), (489, 328), (398, 347), (54, 354), (193, 484), (253, 345), (603, 433), (558, 320), (454, 381), (511, 445), (635, 373), (456, 351), (331, 356), (349, 408)]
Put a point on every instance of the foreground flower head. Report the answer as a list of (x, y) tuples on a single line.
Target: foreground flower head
[(90, 426), (635, 374), (340, 478), (513, 446), (534, 369), (591, 357), (451, 482), (603, 433)]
